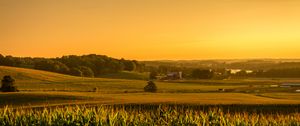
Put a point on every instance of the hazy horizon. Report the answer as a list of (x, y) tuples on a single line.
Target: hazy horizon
[(152, 30), (203, 59)]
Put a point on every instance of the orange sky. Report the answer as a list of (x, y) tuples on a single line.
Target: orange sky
[(151, 29)]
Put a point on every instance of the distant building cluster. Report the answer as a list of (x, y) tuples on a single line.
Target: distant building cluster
[(171, 76), (235, 71)]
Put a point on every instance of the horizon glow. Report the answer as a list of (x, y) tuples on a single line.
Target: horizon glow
[(151, 29)]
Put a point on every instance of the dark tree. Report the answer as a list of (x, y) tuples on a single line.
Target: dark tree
[(202, 74), (86, 71), (282, 72), (8, 84), (152, 75), (76, 72), (9, 61), (51, 65), (140, 67), (151, 87), (1, 59), (129, 65), (241, 73)]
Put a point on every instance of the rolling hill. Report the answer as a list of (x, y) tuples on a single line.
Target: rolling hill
[(37, 80), (46, 88)]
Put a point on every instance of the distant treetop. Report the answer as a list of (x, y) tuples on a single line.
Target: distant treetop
[(86, 65)]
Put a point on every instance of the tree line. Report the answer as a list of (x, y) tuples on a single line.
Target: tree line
[(284, 70), (187, 72), (91, 65), (277, 73)]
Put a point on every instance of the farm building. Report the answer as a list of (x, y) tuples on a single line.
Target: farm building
[(235, 71), (172, 76)]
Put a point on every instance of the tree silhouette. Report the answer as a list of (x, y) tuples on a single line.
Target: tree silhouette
[(8, 84), (151, 87)]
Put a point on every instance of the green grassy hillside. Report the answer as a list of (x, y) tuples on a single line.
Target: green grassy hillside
[(47, 88), (127, 75), (66, 98), (36, 80)]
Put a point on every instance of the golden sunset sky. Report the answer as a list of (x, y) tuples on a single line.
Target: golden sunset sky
[(151, 29)]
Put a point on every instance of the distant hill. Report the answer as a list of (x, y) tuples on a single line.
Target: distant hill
[(42, 88), (91, 65), (38, 80), (33, 75), (245, 64), (39, 87)]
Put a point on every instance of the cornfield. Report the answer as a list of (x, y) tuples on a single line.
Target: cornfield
[(119, 115)]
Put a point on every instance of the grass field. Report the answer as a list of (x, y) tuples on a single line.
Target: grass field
[(38, 99), (47, 98), (35, 80), (127, 75), (40, 88)]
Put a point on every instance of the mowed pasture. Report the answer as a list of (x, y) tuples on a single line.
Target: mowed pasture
[(40, 88), (38, 99)]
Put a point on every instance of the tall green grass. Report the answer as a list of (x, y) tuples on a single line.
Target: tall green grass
[(146, 115)]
